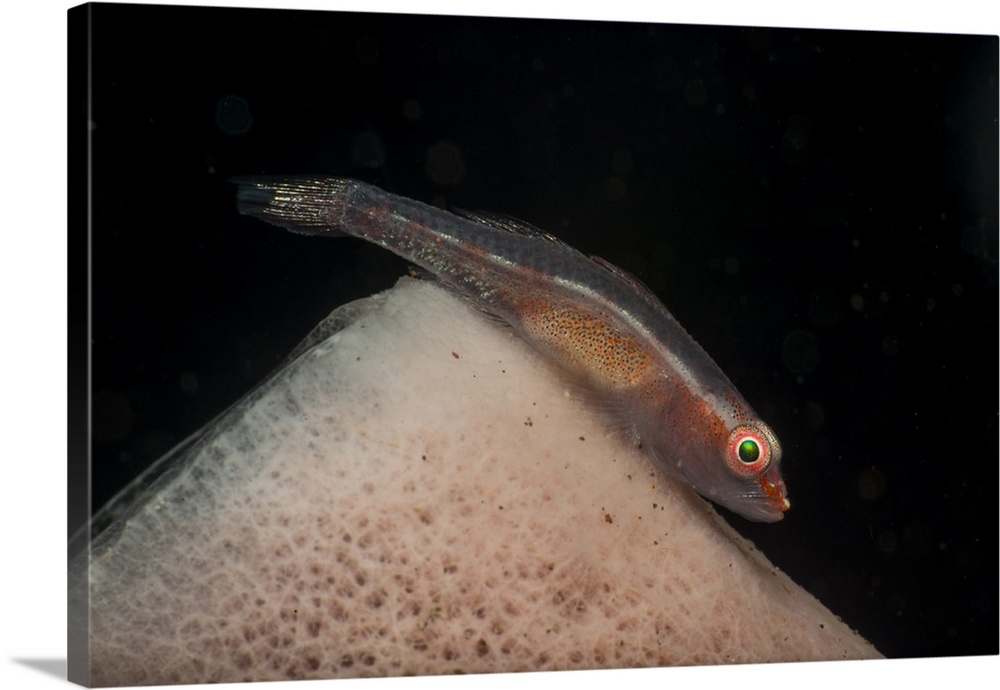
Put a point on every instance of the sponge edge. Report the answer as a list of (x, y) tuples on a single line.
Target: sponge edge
[(419, 494)]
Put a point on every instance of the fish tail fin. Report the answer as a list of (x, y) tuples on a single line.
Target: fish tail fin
[(308, 205)]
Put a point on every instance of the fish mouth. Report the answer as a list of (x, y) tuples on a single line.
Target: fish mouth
[(764, 502), (775, 495)]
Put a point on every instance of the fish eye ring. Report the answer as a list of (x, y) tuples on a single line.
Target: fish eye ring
[(748, 451)]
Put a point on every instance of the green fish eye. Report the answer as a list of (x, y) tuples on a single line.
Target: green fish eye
[(748, 451)]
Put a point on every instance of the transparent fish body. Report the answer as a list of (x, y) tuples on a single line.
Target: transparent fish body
[(600, 325)]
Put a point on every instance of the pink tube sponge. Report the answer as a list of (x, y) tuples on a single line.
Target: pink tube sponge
[(418, 493)]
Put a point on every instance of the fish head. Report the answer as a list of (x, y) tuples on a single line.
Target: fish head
[(751, 484), (736, 466)]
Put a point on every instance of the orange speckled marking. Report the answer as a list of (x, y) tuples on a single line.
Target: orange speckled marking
[(588, 344), (713, 426)]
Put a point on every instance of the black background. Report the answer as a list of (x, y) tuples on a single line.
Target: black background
[(818, 208)]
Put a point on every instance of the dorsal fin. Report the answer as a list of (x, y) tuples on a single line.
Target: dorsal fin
[(636, 284), (499, 221)]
